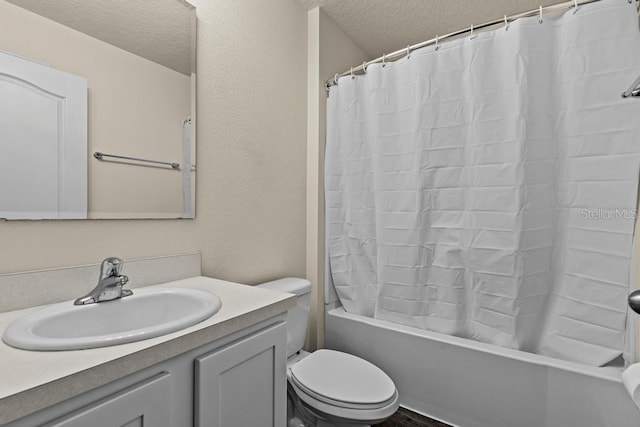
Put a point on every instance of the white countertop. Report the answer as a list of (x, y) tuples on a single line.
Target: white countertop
[(32, 380)]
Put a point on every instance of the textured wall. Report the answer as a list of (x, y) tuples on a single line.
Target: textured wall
[(251, 138)]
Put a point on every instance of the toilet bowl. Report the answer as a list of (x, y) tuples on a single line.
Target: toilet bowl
[(342, 389), (327, 387)]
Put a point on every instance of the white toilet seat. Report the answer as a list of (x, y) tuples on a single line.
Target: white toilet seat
[(343, 386)]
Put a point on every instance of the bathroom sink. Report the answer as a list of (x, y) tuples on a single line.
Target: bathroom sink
[(148, 313)]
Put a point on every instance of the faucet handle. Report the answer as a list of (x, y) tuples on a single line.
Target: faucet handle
[(111, 266), (124, 292)]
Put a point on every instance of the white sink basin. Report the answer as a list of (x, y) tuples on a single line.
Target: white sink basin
[(148, 313)]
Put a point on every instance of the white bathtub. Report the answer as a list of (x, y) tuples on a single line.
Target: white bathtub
[(471, 384)]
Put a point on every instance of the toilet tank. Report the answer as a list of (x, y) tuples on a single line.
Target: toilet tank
[(298, 316)]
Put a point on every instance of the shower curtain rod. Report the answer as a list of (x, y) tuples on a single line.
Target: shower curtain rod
[(398, 54)]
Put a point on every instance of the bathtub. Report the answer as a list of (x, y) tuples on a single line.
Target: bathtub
[(470, 384)]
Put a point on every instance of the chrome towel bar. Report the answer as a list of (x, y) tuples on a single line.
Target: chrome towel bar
[(98, 155)]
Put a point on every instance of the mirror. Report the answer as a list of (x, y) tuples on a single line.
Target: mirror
[(97, 109)]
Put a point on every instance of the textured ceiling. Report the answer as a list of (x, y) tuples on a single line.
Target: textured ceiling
[(159, 30), (383, 26)]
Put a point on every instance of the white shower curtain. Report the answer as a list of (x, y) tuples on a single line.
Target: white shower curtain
[(487, 189)]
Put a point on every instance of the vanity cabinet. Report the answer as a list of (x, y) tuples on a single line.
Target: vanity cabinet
[(235, 381)]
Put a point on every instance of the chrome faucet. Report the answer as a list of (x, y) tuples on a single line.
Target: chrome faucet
[(109, 285)]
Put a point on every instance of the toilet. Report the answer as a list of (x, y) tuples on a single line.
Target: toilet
[(327, 387)]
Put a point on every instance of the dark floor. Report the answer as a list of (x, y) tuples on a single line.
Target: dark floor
[(406, 418)]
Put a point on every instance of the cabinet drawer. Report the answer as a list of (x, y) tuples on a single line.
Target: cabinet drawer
[(145, 404)]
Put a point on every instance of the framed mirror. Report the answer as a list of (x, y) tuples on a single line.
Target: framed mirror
[(97, 109)]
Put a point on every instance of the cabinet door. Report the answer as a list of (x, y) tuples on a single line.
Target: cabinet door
[(145, 404), (244, 384)]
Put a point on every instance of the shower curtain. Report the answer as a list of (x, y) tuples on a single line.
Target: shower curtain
[(487, 189)]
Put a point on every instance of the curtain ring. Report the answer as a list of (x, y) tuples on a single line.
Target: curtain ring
[(352, 76), (437, 47), (575, 6), (335, 79), (364, 67), (408, 51), (472, 36), (540, 18), (384, 57), (506, 23)]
